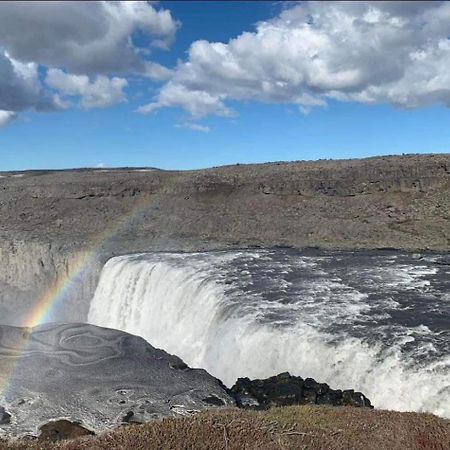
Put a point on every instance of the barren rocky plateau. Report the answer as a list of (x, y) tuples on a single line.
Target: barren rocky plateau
[(49, 218)]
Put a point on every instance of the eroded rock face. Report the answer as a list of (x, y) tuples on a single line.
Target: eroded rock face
[(284, 390), (96, 377)]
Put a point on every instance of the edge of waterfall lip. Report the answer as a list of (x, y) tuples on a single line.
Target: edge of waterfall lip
[(306, 251)]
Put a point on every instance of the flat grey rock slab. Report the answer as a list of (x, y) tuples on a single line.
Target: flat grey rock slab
[(96, 376)]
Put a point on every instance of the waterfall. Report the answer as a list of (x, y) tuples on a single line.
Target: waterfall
[(211, 310)]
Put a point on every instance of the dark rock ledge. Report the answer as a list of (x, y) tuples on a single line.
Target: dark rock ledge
[(285, 389)]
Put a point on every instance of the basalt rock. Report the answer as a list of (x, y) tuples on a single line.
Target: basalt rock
[(285, 389), (5, 417)]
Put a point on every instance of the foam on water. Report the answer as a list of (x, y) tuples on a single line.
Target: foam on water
[(350, 321)]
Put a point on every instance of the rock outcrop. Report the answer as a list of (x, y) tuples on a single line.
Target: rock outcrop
[(286, 390), (77, 375), (5, 417)]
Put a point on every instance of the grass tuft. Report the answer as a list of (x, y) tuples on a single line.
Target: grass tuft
[(286, 428)]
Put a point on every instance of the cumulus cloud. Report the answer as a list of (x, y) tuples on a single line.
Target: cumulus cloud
[(86, 48), (20, 88), (194, 127), (198, 102), (369, 52), (6, 117), (98, 93), (85, 37)]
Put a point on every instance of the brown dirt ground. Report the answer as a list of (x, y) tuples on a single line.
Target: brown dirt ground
[(297, 427)]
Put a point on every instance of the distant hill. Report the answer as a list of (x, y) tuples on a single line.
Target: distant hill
[(401, 202)]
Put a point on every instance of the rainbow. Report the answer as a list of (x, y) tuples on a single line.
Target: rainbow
[(83, 261), (61, 286)]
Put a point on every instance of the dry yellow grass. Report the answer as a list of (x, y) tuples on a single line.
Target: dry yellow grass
[(296, 427)]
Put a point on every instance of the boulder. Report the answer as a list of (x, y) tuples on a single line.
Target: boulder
[(285, 389), (5, 417)]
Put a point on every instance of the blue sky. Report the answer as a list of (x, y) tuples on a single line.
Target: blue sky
[(370, 117)]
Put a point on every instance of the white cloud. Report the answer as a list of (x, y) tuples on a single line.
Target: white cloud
[(198, 102), (20, 88), (99, 93), (369, 52), (6, 117), (84, 37), (156, 71), (194, 127), (88, 48)]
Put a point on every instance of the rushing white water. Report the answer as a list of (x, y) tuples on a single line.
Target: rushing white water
[(259, 313)]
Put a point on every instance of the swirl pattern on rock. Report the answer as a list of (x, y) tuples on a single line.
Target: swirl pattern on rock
[(97, 376)]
